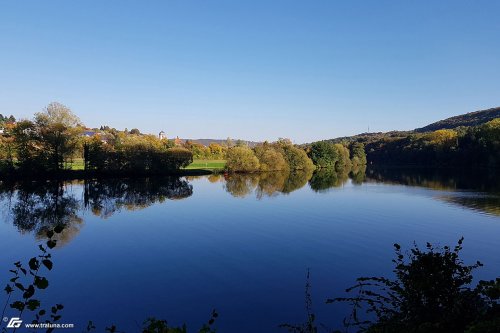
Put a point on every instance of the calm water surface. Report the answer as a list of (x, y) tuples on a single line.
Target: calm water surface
[(177, 248)]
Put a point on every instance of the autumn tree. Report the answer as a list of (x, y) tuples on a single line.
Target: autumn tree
[(58, 130), (296, 157), (242, 159), (270, 159)]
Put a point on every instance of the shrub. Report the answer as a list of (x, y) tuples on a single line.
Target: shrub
[(242, 159)]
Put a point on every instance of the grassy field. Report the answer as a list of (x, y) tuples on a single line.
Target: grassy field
[(207, 164), (197, 164), (77, 164)]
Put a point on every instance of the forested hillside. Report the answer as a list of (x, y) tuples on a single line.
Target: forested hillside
[(468, 119), (472, 139)]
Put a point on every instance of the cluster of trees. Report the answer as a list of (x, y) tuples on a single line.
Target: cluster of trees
[(463, 146), (44, 143), (337, 156), (281, 155), (213, 151), (55, 137), (134, 154), (6, 120)]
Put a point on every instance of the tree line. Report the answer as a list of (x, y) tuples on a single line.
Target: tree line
[(282, 155), (464, 146), (477, 146), (54, 138), (4, 120)]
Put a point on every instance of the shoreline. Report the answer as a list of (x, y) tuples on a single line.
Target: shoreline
[(82, 174)]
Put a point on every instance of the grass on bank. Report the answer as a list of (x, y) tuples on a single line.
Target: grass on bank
[(207, 164), (78, 164)]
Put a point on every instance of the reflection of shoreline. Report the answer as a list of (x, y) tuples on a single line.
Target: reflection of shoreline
[(484, 182), (265, 184), (35, 207), (444, 179)]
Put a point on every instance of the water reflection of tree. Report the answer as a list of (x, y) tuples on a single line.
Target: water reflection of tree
[(358, 174), (265, 183), (105, 197), (485, 181), (40, 206), (296, 180), (271, 183), (448, 179), (241, 185), (325, 179)]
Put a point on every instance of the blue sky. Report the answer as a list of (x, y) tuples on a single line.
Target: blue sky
[(256, 70)]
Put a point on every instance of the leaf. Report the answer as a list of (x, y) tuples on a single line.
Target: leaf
[(41, 312), (33, 304), (34, 264), (8, 289), (17, 305), (41, 282), (51, 244), (23, 270), (29, 292), (47, 263), (50, 233), (19, 286)]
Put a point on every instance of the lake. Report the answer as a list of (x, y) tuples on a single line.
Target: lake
[(176, 248)]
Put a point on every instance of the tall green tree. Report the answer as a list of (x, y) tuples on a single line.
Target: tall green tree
[(324, 154), (358, 155)]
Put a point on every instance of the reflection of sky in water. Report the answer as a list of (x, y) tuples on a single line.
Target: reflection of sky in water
[(135, 250)]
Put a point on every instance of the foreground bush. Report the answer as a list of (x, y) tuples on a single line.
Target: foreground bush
[(431, 292)]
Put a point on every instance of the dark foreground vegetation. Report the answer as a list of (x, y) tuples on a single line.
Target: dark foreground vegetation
[(431, 291)]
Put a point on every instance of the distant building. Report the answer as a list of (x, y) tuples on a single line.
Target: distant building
[(104, 137), (89, 133), (162, 135), (177, 141)]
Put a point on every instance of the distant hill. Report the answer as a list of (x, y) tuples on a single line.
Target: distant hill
[(468, 119)]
